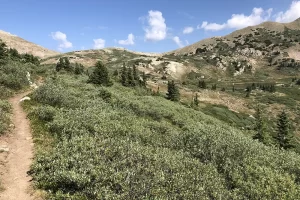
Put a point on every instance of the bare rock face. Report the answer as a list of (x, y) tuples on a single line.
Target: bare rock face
[(250, 52)]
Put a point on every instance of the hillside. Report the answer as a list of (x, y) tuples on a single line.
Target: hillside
[(127, 140), (274, 27), (24, 46)]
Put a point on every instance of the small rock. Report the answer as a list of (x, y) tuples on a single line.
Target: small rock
[(4, 149), (25, 99)]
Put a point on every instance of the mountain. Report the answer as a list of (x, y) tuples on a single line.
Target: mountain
[(24, 46), (271, 27), (247, 50)]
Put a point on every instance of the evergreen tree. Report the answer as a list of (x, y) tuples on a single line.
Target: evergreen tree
[(284, 135), (3, 51), (214, 87), (130, 79), (173, 92), (157, 91), (272, 88), (144, 82), (260, 128), (248, 94), (14, 54), (135, 73), (100, 75), (67, 65), (196, 100), (124, 75), (116, 73), (79, 69), (202, 84), (60, 65)]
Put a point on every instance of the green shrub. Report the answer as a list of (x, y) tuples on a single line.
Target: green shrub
[(120, 145), (5, 109)]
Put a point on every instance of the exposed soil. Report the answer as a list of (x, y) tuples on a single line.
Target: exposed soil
[(15, 163)]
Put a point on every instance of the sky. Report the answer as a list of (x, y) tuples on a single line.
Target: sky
[(138, 25)]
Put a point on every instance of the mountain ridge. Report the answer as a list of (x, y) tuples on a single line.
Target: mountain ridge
[(270, 25), (24, 46)]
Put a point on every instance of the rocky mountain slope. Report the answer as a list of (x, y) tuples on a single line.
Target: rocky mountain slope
[(23, 46), (269, 44)]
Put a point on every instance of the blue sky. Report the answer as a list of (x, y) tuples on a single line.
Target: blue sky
[(148, 26)]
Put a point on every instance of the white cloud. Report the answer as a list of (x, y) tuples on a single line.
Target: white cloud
[(291, 14), (211, 26), (177, 40), (129, 41), (99, 43), (187, 42), (157, 29), (62, 39), (188, 30), (238, 21)]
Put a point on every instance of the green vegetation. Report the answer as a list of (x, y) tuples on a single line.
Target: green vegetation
[(284, 136), (173, 91), (5, 110), (130, 77), (14, 69), (260, 128), (13, 77), (100, 75), (119, 143)]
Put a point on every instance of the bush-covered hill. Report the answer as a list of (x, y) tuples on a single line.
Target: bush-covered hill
[(123, 143), (14, 68)]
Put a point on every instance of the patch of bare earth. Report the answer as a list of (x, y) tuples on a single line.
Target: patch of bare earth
[(16, 156), (233, 103)]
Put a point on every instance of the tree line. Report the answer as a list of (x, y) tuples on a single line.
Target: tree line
[(7, 54)]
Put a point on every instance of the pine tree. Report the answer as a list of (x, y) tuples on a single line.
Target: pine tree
[(144, 82), (135, 73), (214, 87), (260, 128), (284, 134), (130, 79), (100, 75), (60, 65), (67, 65), (79, 69), (124, 75), (196, 100), (116, 73), (3, 51), (157, 91), (173, 92), (202, 84)]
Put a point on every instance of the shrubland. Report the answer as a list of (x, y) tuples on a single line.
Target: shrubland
[(123, 143), (13, 70)]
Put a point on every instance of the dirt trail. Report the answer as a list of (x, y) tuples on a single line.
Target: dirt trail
[(17, 160)]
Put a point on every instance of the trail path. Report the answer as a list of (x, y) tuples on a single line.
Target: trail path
[(16, 162)]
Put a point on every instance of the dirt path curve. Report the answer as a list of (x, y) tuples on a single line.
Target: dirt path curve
[(15, 180)]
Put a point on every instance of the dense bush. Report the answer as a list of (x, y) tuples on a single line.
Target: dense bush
[(114, 144), (5, 109), (13, 75)]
